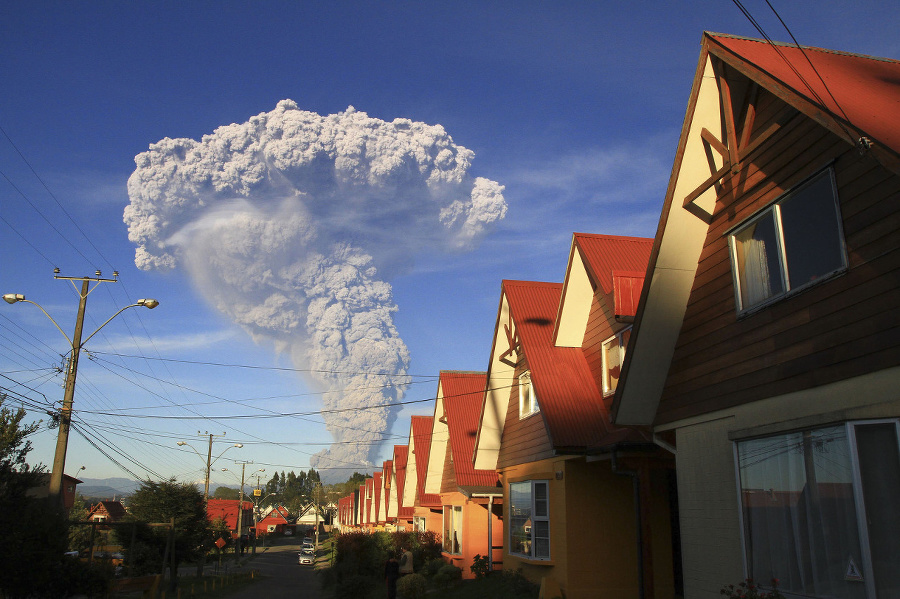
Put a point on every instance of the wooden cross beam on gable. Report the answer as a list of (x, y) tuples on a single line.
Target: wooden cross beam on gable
[(512, 340), (735, 148)]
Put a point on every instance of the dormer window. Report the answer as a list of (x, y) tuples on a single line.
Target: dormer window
[(613, 357), (528, 403), (796, 242)]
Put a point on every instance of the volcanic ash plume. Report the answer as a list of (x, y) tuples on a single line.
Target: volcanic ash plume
[(292, 223)]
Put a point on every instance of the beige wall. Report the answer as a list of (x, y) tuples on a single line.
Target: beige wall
[(707, 486)]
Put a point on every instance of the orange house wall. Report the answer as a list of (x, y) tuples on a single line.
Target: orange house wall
[(475, 532), (593, 551)]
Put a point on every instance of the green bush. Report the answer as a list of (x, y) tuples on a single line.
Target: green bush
[(480, 566), (355, 587), (411, 586), (432, 567), (447, 575)]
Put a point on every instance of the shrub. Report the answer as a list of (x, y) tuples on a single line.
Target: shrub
[(480, 566), (432, 566), (447, 575), (750, 590), (520, 586), (411, 586), (355, 587)]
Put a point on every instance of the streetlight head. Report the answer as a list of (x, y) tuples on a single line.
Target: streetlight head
[(148, 302), (181, 443), (238, 444), (11, 298)]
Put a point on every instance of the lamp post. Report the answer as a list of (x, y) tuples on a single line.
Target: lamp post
[(209, 459), (65, 415)]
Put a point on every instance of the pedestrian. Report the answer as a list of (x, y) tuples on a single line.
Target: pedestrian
[(406, 561), (391, 574)]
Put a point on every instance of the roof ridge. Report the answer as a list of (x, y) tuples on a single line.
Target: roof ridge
[(802, 46), (614, 237)]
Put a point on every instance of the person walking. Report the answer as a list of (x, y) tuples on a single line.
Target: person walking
[(391, 574)]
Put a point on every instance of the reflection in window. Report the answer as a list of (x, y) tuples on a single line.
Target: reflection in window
[(791, 244), (802, 524), (529, 519)]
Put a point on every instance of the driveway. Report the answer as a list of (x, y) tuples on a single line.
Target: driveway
[(280, 574)]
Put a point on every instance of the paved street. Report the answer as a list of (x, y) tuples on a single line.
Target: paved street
[(280, 575)]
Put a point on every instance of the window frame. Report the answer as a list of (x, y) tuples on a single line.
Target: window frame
[(419, 523), (860, 507), (453, 523), (774, 209), (535, 407), (618, 337), (533, 517)]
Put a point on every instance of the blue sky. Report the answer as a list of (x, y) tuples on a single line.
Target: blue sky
[(573, 107)]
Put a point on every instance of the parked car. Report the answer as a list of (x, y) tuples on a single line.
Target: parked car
[(305, 558)]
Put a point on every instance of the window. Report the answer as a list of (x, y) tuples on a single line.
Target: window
[(794, 243), (613, 356), (528, 403), (453, 529), (806, 499), (529, 519), (419, 523)]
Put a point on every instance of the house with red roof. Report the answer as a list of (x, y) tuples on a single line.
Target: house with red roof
[(275, 521), (377, 501), (107, 511), (426, 507), (471, 500), (587, 509), (227, 510), (384, 514), (765, 349), (399, 514)]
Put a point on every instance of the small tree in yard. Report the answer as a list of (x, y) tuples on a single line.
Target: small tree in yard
[(159, 503), (34, 532)]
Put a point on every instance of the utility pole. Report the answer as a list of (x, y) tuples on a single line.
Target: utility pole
[(237, 551), (65, 414)]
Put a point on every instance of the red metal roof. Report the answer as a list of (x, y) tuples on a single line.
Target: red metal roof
[(462, 397), (400, 458), (570, 403), (377, 507), (421, 430), (865, 87), (227, 510), (605, 254)]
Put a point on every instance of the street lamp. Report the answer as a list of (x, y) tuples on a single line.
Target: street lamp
[(209, 459), (65, 415)]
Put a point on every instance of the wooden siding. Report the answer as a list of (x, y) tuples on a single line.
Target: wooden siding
[(838, 329), (448, 479), (525, 440), (599, 329)]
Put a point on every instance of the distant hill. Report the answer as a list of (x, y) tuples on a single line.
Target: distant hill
[(107, 488)]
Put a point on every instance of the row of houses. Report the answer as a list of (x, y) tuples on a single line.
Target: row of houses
[(717, 403)]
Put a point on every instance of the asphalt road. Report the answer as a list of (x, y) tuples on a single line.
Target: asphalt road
[(280, 575)]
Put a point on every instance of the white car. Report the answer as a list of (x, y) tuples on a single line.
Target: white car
[(304, 559)]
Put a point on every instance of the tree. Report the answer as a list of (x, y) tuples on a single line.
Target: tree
[(159, 503), (34, 532), (225, 493)]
